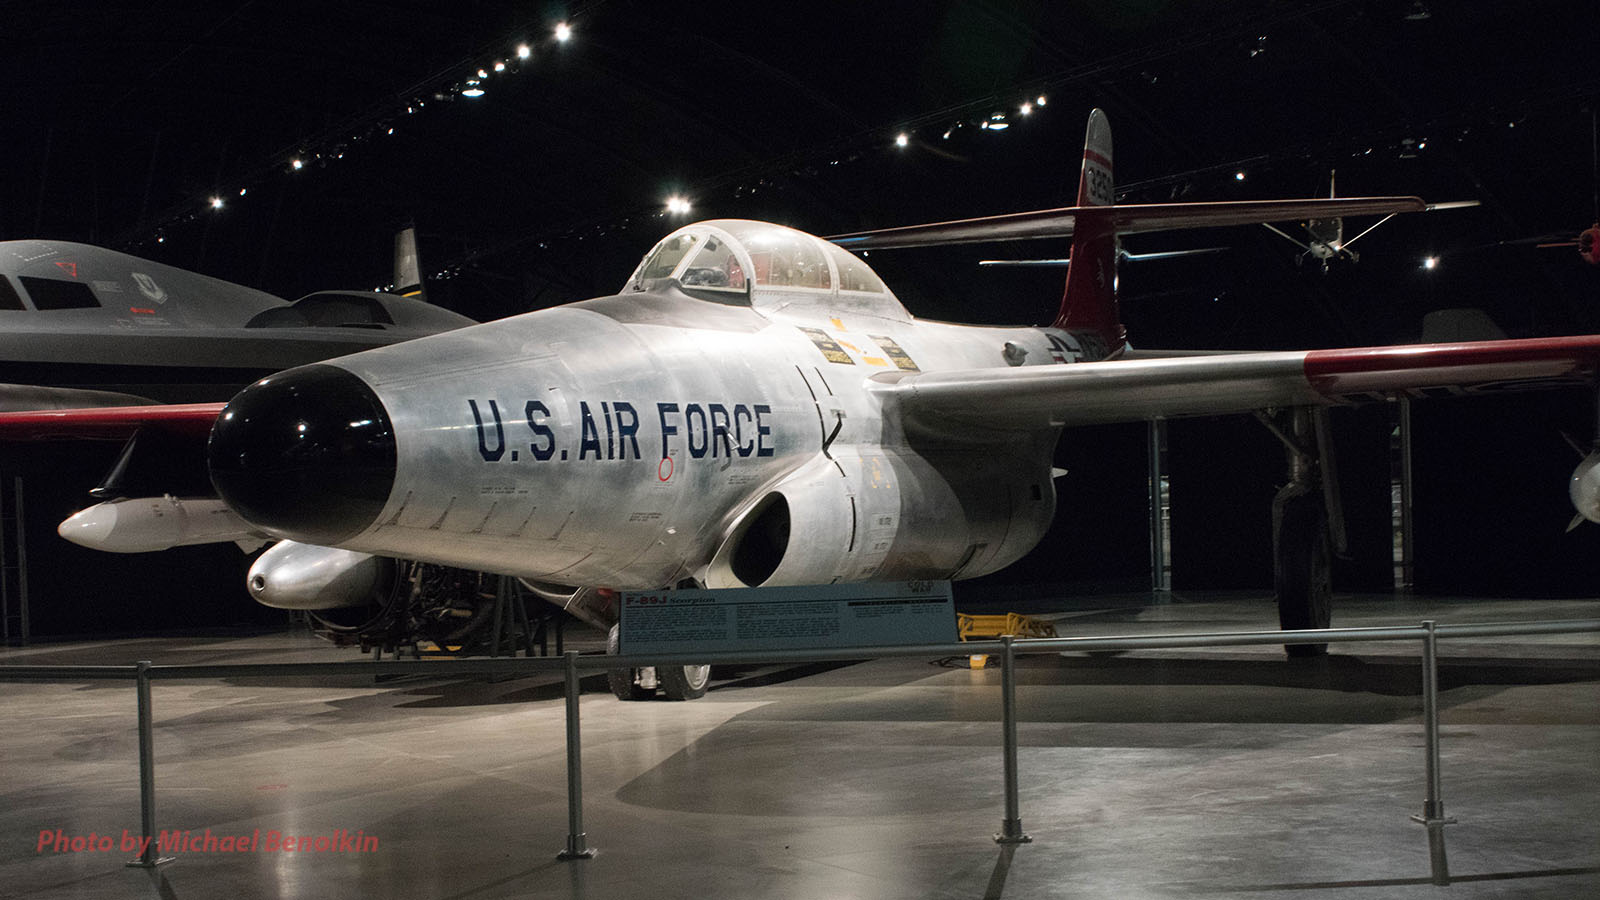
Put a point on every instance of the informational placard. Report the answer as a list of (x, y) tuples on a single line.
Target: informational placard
[(810, 617)]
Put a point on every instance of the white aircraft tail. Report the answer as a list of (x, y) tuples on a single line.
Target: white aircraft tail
[(1089, 303), (407, 265)]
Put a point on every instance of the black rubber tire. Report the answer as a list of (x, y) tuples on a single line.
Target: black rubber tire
[(1302, 564), (683, 682), (621, 680)]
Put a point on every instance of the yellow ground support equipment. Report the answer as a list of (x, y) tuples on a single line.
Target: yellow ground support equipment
[(977, 628)]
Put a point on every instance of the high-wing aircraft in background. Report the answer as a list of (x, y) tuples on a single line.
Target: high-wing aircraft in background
[(1324, 237), (75, 316), (756, 408)]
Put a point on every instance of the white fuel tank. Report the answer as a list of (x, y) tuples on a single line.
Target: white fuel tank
[(292, 575), (147, 524)]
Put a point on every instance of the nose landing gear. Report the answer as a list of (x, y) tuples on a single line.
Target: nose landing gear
[(1307, 525)]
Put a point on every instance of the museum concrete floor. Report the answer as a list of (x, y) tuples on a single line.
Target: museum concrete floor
[(1210, 773)]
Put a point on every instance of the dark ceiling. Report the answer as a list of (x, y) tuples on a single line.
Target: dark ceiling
[(120, 121)]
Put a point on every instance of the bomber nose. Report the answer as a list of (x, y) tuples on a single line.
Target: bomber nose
[(306, 454)]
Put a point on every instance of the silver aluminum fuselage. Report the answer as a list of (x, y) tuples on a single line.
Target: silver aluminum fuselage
[(617, 442)]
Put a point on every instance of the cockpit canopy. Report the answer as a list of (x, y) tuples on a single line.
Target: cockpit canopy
[(766, 266)]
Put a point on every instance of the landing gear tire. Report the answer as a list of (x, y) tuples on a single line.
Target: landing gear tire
[(684, 682), (624, 683), (1302, 564)]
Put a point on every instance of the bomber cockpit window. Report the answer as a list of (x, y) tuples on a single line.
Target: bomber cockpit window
[(666, 257), (786, 259), (715, 266), (52, 293), (8, 295)]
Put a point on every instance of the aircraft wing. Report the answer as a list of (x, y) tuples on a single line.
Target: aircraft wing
[(187, 420), (1129, 218), (1137, 389), (1121, 390), (19, 397)]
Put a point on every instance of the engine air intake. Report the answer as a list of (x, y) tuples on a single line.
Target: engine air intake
[(307, 454)]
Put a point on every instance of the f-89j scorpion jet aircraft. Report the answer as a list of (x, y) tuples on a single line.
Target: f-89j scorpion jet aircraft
[(756, 408)]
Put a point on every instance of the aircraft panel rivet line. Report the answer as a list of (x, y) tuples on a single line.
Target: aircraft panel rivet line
[(1433, 817), (147, 858), (1011, 828), (577, 847)]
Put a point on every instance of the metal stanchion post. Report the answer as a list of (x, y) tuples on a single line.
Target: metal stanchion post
[(1010, 829), (576, 846), (1408, 528), (1160, 580), (1433, 817), (147, 858)]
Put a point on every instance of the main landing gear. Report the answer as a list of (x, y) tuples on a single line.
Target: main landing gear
[(1307, 525), (674, 682), (600, 607)]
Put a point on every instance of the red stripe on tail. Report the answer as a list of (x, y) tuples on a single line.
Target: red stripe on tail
[(1089, 303)]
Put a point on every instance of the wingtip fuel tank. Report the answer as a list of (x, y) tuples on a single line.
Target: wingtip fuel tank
[(147, 524)]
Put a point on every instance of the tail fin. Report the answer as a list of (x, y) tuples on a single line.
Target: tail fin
[(407, 265), (1089, 304)]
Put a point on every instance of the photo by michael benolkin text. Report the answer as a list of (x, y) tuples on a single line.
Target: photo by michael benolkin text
[(271, 840)]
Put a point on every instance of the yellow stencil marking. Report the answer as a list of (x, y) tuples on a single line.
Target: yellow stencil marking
[(895, 352), (831, 351)]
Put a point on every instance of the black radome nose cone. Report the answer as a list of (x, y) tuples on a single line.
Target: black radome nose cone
[(306, 454)]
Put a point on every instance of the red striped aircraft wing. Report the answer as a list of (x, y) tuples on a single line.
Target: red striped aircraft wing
[(191, 420), (1138, 389)]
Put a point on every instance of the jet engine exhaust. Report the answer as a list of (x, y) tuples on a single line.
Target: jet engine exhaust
[(307, 454)]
